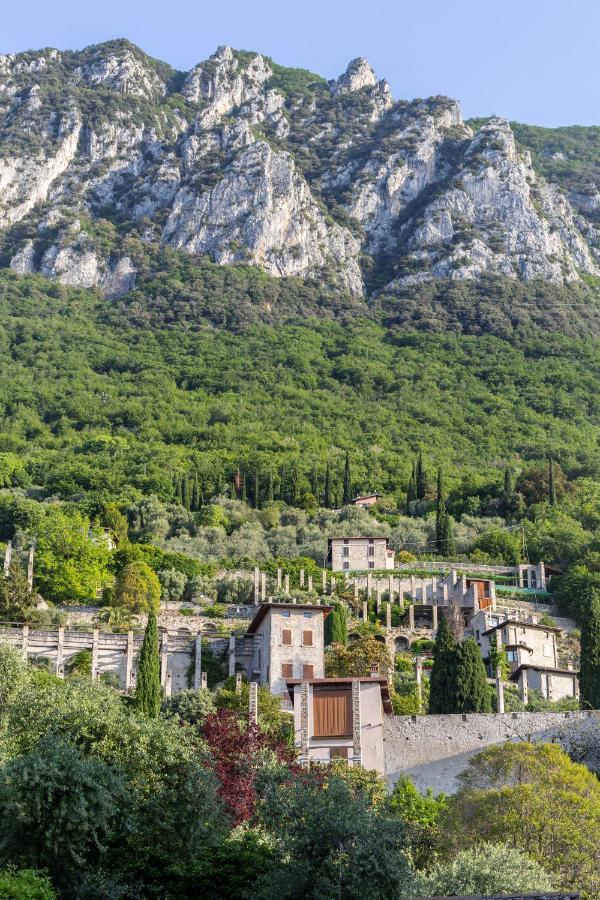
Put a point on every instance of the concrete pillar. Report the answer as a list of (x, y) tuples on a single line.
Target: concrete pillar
[(164, 648), (301, 578), (238, 682), (388, 614), (356, 724), (332, 585), (253, 703), (129, 660), (369, 585), (286, 584), (523, 687), (60, 653), (378, 595), (7, 557), (500, 690), (310, 583), (256, 585), (411, 617), (419, 679), (542, 576), (391, 589), (278, 580), (25, 642), (197, 660), (204, 681), (30, 568), (232, 654), (324, 580), (434, 587), (95, 637), (263, 586), (365, 611), (304, 724), (169, 685), (434, 617), (413, 587)]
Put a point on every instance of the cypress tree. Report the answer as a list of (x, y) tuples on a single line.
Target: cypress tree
[(589, 677), (509, 485), (185, 492), (327, 489), (147, 690), (270, 492), (336, 625), (244, 497), (314, 482), (441, 515), (411, 491), (195, 499), (471, 690), (218, 485), (421, 478), (347, 494), (256, 490), (442, 683), (551, 483)]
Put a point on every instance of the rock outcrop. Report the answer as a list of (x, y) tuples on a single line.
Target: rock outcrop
[(247, 162)]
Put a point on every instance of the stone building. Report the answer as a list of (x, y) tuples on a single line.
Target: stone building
[(531, 651), (355, 553), (365, 501)]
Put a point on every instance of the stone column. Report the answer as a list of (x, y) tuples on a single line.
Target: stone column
[(164, 648), (238, 682), (524, 687), (169, 685), (332, 585), (419, 679), (413, 587), (434, 586), (256, 584), (301, 578), (232, 654), (388, 615), (324, 581), (7, 557), (310, 583), (356, 724), (369, 585), (253, 703), (263, 586), (305, 724), (95, 637), (378, 595), (286, 584), (30, 568), (500, 690), (204, 681), (365, 611), (197, 660), (391, 588), (129, 660), (434, 617), (25, 642), (278, 580), (60, 653), (411, 616)]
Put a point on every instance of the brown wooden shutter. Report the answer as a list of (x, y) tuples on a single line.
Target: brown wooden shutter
[(287, 670), (308, 671), (307, 638), (332, 713), (286, 636)]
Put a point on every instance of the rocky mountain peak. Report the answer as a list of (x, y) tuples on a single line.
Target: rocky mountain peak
[(121, 69), (358, 75), (224, 81)]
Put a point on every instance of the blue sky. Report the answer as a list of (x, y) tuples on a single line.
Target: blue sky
[(535, 61)]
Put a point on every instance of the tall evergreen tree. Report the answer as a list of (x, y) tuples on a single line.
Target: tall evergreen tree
[(347, 494), (314, 482), (471, 688), (411, 491), (195, 498), (336, 625), (442, 683), (421, 478), (551, 483), (147, 689), (270, 491), (185, 492), (589, 676), (509, 485), (218, 485), (256, 490), (244, 497), (327, 488)]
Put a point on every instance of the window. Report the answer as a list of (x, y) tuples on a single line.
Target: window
[(308, 671), (286, 613), (287, 670), (547, 649), (371, 551), (345, 540), (511, 655), (307, 639), (286, 636), (345, 551), (308, 615), (346, 565), (332, 712), (371, 564), (338, 753), (371, 540)]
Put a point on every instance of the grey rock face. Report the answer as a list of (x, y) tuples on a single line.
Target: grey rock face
[(248, 162)]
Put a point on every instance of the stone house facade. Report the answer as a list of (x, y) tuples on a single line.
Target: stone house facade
[(359, 553)]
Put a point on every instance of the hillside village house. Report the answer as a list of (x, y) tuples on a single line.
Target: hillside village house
[(531, 652), (284, 649), (355, 553), (365, 501)]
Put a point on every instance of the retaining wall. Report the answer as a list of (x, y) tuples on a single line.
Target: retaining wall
[(434, 750)]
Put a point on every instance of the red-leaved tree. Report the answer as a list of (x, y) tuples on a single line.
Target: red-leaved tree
[(239, 752)]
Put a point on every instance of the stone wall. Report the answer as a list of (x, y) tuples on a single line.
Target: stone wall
[(434, 750)]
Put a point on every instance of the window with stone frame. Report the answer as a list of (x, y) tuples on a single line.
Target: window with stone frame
[(287, 670), (286, 637), (308, 671), (307, 638)]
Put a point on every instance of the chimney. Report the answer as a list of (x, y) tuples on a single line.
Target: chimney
[(374, 670)]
